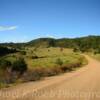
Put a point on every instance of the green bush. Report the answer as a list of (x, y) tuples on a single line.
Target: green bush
[(19, 66), (4, 64), (59, 62), (23, 52), (34, 57), (75, 49)]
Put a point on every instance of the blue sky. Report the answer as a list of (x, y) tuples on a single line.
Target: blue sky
[(24, 20)]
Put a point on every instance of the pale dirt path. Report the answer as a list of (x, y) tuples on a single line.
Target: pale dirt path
[(83, 84)]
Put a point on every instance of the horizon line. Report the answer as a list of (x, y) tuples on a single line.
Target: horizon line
[(13, 42)]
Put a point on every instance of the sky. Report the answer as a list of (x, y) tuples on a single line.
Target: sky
[(24, 20)]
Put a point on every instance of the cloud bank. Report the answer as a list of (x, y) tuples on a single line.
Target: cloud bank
[(7, 28)]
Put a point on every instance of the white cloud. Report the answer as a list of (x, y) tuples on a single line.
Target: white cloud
[(7, 28), (50, 36)]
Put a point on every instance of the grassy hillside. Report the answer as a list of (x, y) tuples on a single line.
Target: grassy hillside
[(44, 57), (40, 62)]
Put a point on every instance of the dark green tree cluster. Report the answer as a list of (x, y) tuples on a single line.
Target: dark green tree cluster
[(5, 50)]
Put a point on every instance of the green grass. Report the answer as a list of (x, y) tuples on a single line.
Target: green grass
[(47, 57), (48, 62)]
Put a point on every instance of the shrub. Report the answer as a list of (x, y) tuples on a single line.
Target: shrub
[(38, 73), (4, 64), (34, 57), (35, 74), (75, 49), (55, 71), (19, 66), (23, 52), (66, 68), (70, 66), (59, 62), (5, 74)]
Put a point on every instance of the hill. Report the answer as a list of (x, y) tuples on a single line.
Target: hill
[(89, 43)]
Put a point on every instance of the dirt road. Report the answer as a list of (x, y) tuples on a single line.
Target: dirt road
[(83, 84)]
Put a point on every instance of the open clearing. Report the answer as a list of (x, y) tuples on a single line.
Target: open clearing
[(83, 84)]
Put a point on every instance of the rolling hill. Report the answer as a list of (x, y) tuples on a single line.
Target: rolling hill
[(88, 43)]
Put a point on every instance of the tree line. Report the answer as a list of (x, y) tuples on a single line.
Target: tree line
[(5, 50), (84, 44)]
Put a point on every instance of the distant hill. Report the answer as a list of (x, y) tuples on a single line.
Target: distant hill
[(82, 43), (44, 42)]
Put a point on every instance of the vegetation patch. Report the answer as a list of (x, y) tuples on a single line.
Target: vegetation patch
[(31, 64)]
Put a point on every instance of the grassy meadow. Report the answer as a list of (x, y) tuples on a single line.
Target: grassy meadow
[(46, 57), (43, 62)]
